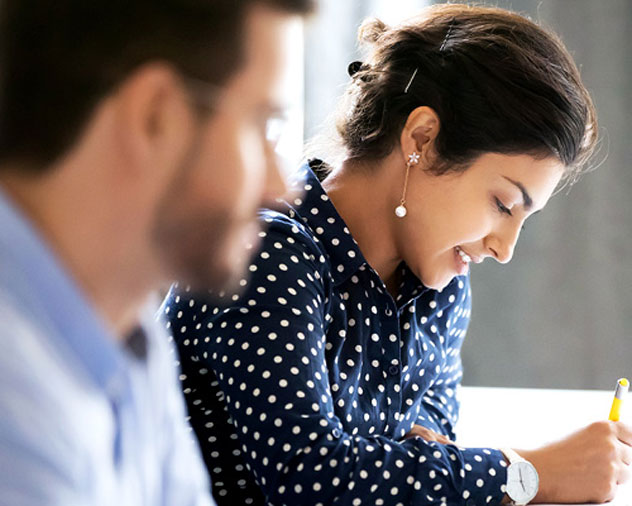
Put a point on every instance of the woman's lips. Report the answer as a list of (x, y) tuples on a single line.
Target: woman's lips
[(462, 261)]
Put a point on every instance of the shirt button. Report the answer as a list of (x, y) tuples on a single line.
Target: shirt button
[(393, 369), (336, 433)]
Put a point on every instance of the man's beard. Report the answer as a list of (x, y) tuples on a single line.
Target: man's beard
[(201, 253), (199, 249)]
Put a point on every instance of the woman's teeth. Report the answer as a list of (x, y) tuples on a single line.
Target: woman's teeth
[(464, 256)]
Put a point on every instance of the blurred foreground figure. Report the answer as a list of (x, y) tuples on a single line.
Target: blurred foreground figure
[(133, 150)]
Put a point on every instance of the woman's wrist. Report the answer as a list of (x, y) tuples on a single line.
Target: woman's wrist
[(535, 457)]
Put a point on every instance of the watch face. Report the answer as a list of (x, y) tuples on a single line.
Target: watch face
[(522, 482)]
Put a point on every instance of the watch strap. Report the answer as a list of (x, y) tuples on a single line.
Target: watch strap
[(511, 455)]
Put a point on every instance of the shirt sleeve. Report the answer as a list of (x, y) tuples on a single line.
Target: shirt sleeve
[(268, 353), (440, 402)]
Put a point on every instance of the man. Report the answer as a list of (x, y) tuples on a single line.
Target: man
[(133, 151)]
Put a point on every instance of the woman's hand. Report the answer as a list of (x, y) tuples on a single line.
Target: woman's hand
[(587, 466), (427, 434)]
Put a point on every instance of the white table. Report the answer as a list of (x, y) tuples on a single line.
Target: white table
[(527, 418)]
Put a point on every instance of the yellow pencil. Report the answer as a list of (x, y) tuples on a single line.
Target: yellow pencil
[(619, 393)]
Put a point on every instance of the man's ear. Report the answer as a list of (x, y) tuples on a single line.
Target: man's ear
[(420, 132), (153, 117)]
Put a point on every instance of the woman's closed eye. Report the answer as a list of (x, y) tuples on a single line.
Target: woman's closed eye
[(502, 207), (505, 210)]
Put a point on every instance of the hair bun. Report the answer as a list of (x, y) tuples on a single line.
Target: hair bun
[(371, 30), (354, 67)]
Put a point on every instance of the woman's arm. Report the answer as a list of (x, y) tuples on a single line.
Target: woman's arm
[(268, 353)]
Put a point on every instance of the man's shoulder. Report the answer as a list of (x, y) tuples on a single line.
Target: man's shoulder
[(21, 333), (39, 430), (35, 367)]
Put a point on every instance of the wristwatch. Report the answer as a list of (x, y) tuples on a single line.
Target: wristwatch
[(522, 478)]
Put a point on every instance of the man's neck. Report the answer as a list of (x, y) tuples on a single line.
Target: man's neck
[(85, 242)]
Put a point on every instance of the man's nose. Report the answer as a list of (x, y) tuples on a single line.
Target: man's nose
[(276, 183)]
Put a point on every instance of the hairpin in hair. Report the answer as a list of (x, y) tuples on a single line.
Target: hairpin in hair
[(410, 81), (447, 35)]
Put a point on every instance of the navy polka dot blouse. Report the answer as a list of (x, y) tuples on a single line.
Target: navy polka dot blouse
[(302, 387)]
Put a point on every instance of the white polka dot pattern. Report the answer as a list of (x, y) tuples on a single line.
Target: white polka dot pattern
[(302, 387)]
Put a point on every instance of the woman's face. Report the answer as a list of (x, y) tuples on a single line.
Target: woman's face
[(458, 219)]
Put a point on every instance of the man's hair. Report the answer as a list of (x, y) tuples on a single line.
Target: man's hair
[(58, 58)]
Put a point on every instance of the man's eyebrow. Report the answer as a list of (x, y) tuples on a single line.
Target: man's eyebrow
[(526, 198)]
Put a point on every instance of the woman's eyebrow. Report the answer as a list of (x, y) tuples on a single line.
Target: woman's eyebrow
[(526, 198)]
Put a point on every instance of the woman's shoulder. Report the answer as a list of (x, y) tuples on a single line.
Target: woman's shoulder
[(288, 250), (284, 230)]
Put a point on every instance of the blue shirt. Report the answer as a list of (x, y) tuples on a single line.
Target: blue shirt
[(302, 388), (84, 419)]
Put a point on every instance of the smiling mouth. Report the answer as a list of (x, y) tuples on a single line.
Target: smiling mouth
[(465, 258)]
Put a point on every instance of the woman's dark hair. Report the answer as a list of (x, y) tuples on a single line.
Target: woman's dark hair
[(58, 58), (498, 82)]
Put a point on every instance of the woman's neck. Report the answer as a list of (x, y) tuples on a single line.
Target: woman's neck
[(362, 196)]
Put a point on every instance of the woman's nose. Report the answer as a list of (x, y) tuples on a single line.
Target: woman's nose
[(502, 244)]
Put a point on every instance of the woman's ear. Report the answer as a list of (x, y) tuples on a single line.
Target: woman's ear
[(419, 133)]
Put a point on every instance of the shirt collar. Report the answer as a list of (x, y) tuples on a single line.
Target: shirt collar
[(317, 211), (410, 287), (32, 276)]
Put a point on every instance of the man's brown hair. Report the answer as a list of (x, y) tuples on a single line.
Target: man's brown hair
[(58, 58)]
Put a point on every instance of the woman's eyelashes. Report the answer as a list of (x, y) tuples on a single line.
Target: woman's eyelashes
[(501, 207), (505, 210)]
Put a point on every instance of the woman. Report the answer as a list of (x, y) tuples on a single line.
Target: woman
[(331, 377)]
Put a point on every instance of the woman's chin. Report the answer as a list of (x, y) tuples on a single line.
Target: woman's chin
[(438, 281)]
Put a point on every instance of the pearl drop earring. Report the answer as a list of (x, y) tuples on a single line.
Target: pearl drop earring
[(400, 210)]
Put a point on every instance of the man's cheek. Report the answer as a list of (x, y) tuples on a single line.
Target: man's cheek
[(253, 165)]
